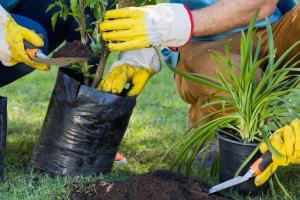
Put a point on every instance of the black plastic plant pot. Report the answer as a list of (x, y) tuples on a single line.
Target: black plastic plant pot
[(232, 154), (3, 130), (82, 130)]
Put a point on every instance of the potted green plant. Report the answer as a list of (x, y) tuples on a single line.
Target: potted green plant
[(257, 108), (83, 127)]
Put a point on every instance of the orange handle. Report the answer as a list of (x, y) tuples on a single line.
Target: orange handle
[(262, 163), (31, 52)]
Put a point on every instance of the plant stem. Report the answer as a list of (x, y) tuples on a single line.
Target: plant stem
[(84, 39), (105, 50), (82, 23), (101, 65), (126, 3)]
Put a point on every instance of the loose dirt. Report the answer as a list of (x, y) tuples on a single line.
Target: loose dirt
[(73, 49), (158, 185)]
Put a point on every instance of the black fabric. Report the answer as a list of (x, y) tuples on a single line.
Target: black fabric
[(83, 128), (3, 130)]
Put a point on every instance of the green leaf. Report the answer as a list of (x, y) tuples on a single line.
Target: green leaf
[(273, 192), (54, 19), (50, 7), (145, 2), (214, 172), (282, 187), (74, 6), (64, 13)]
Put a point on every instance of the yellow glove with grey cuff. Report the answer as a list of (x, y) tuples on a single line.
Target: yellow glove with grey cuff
[(12, 38), (286, 141), (134, 67), (165, 24)]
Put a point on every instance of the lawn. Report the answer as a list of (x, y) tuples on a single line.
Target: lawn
[(157, 122)]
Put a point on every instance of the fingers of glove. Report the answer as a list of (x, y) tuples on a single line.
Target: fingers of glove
[(263, 148), (130, 45), (124, 35), (20, 55), (38, 66), (138, 81), (120, 24), (265, 175), (278, 143), (114, 83), (124, 13), (105, 84), (296, 127), (32, 37), (288, 136)]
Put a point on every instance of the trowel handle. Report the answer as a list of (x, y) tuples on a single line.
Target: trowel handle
[(262, 163), (32, 51)]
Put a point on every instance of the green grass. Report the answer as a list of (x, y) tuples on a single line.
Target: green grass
[(158, 122)]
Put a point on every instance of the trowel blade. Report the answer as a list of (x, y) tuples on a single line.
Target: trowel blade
[(60, 62), (231, 182)]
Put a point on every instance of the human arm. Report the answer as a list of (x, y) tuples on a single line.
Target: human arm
[(12, 37), (173, 25), (226, 15)]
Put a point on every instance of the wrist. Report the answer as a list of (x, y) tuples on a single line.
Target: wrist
[(192, 22), (170, 25), (147, 58)]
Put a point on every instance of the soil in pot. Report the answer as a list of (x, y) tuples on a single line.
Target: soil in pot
[(158, 185), (3, 129), (232, 154), (73, 49)]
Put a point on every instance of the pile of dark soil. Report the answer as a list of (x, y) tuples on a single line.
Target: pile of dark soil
[(73, 49), (158, 185)]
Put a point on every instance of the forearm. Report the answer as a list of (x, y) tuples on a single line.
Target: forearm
[(226, 15)]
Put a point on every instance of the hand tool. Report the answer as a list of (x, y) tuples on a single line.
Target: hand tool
[(255, 169), (38, 56)]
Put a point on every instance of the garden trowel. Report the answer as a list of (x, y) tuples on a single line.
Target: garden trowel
[(255, 169), (38, 56)]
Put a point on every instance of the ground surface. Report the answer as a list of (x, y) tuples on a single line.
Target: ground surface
[(157, 122)]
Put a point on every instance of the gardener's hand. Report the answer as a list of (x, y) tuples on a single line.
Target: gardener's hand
[(134, 67), (12, 38), (287, 142), (167, 24), (115, 81)]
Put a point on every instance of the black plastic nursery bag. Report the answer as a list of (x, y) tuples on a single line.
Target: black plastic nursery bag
[(83, 128)]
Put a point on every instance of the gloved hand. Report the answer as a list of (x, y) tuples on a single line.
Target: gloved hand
[(286, 141), (134, 67), (166, 24), (12, 38)]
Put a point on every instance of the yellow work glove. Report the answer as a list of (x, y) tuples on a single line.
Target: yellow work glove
[(12, 38), (286, 141), (115, 81), (166, 24), (134, 67)]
